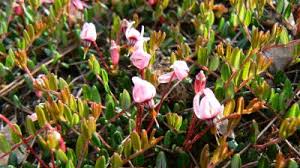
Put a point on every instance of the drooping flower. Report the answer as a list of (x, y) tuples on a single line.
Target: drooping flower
[(88, 32), (180, 71), (208, 107), (78, 4), (75, 9), (143, 91), (140, 59), (131, 34), (114, 52), (17, 8), (200, 82)]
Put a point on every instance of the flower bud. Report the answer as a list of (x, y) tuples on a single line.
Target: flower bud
[(114, 53)]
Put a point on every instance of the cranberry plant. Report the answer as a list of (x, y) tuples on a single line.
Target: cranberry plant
[(149, 83)]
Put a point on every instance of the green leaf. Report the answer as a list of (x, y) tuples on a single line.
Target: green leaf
[(95, 96), (202, 56), (236, 58), (279, 6), (254, 131), (60, 155), (116, 161), (94, 65), (15, 136), (75, 119), (70, 164), (294, 111), (10, 60), (13, 159), (242, 13), (117, 138), (104, 76), (188, 4), (287, 89), (161, 160), (287, 12), (284, 36), (136, 141), (214, 63), (182, 159), (110, 107), (292, 164), (236, 161), (263, 162), (125, 100), (95, 140), (30, 127), (127, 148), (41, 116), (225, 72), (101, 162), (245, 70), (81, 151), (248, 18), (4, 145), (168, 138)]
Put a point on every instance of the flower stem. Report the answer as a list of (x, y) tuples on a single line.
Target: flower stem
[(100, 55), (164, 95), (139, 116)]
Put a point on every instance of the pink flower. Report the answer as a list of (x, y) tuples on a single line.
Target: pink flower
[(75, 6), (47, 1), (140, 59), (17, 8), (114, 52), (33, 117), (180, 71), (143, 90), (88, 32), (209, 107), (200, 82), (152, 2), (78, 4), (131, 34)]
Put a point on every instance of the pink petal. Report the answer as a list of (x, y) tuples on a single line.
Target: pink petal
[(200, 82), (140, 59), (114, 52), (143, 90), (88, 32), (212, 98), (165, 78), (181, 69), (78, 4), (196, 105)]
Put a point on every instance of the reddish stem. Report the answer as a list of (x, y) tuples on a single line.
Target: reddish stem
[(29, 73), (189, 144), (191, 129), (2, 117), (139, 116), (19, 144), (142, 72), (100, 55), (52, 159), (150, 125), (164, 94), (161, 101)]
